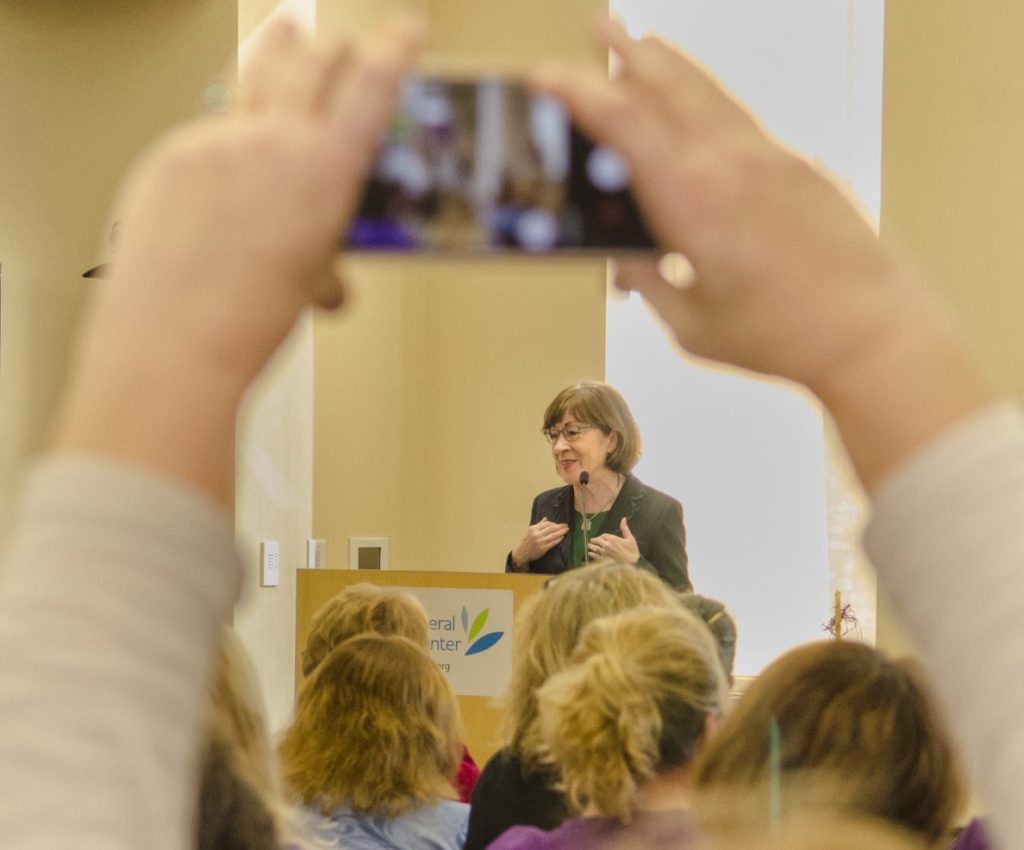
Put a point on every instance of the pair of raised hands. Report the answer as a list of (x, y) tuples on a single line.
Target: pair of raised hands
[(543, 536), (231, 225)]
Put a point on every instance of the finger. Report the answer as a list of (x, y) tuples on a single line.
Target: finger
[(554, 536), (363, 105), (306, 86), (626, 533), (603, 110), (671, 303), (258, 77), (672, 81), (609, 114)]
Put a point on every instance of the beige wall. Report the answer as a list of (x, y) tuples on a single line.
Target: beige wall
[(83, 86), (953, 175), (953, 169), (429, 398)]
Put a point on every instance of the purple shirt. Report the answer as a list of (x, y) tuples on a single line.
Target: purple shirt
[(972, 837), (657, 829)]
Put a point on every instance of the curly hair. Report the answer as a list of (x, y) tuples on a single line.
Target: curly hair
[(634, 702), (849, 714), (548, 627), (362, 608), (376, 727)]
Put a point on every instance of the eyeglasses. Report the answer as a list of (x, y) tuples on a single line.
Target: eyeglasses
[(571, 433)]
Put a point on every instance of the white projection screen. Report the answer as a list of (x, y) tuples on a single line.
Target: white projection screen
[(746, 457)]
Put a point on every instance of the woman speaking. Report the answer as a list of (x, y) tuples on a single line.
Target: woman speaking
[(602, 511)]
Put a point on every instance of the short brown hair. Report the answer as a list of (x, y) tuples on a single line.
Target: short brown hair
[(359, 608), (600, 404), (376, 728), (843, 707)]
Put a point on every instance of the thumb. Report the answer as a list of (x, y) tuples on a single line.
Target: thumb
[(328, 288), (670, 302), (626, 533)]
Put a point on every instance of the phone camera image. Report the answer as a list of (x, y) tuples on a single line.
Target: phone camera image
[(483, 167)]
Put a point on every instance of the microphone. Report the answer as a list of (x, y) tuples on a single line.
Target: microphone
[(585, 523)]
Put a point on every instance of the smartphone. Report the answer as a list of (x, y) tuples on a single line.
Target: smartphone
[(483, 166)]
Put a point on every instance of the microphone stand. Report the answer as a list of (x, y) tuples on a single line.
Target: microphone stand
[(585, 523)]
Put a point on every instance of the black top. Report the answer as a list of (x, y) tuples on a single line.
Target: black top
[(505, 795), (655, 520)]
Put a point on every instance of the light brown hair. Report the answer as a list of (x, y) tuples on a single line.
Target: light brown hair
[(235, 714), (548, 627), (842, 707), (634, 702), (239, 789), (376, 727), (362, 608), (600, 404)]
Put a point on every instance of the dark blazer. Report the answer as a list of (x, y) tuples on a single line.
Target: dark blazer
[(655, 519)]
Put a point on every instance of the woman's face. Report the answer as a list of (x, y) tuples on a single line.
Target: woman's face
[(589, 451)]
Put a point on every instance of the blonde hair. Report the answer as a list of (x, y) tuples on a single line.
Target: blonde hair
[(548, 627), (843, 708), (362, 608), (376, 727), (239, 788), (235, 715), (633, 703)]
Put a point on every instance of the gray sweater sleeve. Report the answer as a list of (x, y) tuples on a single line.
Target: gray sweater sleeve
[(113, 587), (947, 538)]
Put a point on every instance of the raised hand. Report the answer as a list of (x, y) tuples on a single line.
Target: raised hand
[(789, 277), (230, 227)]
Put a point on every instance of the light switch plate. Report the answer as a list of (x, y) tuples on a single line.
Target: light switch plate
[(316, 554), (270, 563)]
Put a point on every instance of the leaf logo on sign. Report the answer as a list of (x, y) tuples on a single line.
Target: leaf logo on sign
[(486, 641)]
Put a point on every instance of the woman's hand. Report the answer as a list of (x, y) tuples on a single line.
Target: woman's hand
[(787, 270), (789, 278), (539, 538), (612, 547), (230, 229)]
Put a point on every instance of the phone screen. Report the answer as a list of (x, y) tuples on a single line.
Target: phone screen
[(484, 166)]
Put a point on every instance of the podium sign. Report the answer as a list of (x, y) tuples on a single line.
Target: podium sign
[(470, 636)]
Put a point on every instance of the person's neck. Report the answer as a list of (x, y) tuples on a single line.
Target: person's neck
[(667, 791), (602, 490)]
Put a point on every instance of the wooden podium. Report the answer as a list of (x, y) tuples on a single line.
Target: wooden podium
[(482, 715)]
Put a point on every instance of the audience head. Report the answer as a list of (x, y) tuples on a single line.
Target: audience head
[(549, 625), (239, 797), (635, 702), (723, 627), (376, 728), (847, 714), (362, 608), (600, 404)]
